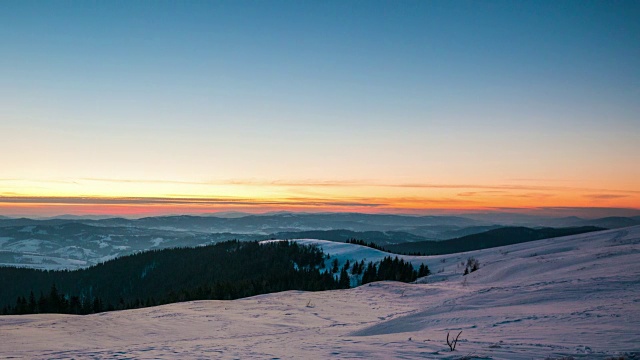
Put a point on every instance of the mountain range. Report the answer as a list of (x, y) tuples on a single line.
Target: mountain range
[(79, 242)]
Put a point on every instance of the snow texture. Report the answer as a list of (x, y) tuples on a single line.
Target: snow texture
[(576, 296)]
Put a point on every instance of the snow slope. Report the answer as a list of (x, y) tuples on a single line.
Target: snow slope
[(575, 296)]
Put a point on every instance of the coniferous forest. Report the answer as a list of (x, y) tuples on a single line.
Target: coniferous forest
[(224, 271), (393, 269)]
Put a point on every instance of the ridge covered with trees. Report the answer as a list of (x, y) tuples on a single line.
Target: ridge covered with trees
[(492, 238), (224, 271), (227, 270), (363, 243)]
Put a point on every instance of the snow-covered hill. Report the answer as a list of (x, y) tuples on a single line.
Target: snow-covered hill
[(72, 246), (576, 296)]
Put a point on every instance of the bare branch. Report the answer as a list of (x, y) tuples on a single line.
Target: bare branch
[(452, 344)]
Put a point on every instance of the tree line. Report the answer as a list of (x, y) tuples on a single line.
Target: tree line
[(393, 269), (224, 271)]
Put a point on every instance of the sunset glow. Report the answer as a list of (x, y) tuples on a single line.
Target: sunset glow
[(147, 198), (201, 107)]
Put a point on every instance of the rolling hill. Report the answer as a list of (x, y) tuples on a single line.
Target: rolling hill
[(488, 239), (571, 297)]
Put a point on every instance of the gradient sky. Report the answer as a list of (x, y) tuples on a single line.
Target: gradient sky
[(147, 107)]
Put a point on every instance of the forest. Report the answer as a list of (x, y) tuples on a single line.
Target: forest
[(224, 271), (488, 239)]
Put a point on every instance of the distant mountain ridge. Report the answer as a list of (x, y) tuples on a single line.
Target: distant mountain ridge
[(75, 243), (268, 224), (431, 227), (70, 245), (340, 235), (489, 239)]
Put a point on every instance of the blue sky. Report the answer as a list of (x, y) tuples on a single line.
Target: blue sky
[(473, 92)]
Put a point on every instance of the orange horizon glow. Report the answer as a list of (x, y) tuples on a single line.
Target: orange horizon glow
[(136, 211), (307, 196)]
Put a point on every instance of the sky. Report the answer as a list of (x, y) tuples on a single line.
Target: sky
[(165, 107)]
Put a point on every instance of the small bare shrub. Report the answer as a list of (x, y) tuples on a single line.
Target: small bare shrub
[(472, 265), (452, 344)]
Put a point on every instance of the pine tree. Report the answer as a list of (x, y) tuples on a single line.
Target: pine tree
[(21, 306), (43, 304), (334, 266), (97, 305), (75, 306), (370, 274), (32, 303), (54, 300), (354, 268), (423, 270), (344, 282)]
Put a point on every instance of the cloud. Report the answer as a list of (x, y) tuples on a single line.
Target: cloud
[(506, 194), (245, 182), (181, 201), (142, 181), (364, 183), (536, 195), (605, 196), (468, 193), (537, 180), (55, 181), (369, 202), (337, 183), (481, 192)]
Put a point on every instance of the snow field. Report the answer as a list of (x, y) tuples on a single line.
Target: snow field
[(575, 296)]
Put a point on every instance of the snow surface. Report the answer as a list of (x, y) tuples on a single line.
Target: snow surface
[(575, 296), (156, 241)]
